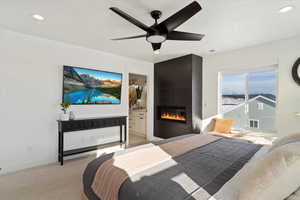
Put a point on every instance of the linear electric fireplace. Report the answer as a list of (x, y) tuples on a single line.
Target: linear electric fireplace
[(172, 113), (178, 96)]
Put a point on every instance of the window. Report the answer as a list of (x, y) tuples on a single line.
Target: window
[(247, 96), (253, 123), (260, 106), (233, 91)]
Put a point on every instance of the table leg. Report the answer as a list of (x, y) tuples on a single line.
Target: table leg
[(58, 153), (125, 131), (121, 138), (61, 148)]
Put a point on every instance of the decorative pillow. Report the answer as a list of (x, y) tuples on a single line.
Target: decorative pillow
[(285, 140), (223, 125), (295, 195), (275, 176)]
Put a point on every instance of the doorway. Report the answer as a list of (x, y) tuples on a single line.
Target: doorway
[(137, 109)]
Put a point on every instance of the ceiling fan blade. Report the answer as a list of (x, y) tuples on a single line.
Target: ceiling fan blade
[(132, 37), (156, 46), (131, 19), (180, 17), (177, 35)]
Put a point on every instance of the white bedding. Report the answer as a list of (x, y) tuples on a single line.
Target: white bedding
[(230, 191), (295, 196), (252, 137)]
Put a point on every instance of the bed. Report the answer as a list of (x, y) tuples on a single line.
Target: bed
[(266, 139), (210, 172)]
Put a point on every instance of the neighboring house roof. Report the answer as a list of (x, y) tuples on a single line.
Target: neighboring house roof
[(267, 101), (260, 98)]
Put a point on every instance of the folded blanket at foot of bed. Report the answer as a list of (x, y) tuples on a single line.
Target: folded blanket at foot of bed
[(181, 169)]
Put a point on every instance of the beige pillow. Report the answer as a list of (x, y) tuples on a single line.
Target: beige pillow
[(275, 176), (223, 125), (286, 140)]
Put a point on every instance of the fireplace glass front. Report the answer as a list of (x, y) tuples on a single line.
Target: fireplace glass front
[(172, 113)]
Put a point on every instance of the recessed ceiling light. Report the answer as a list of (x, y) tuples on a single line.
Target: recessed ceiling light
[(286, 9), (156, 52), (38, 17), (212, 51)]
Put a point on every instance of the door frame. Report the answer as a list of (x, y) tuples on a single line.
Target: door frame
[(147, 103)]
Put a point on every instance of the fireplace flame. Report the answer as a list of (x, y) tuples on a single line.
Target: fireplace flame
[(173, 117)]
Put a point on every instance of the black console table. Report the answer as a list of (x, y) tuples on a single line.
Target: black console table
[(87, 124)]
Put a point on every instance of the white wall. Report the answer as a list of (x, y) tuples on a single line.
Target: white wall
[(31, 89), (282, 53)]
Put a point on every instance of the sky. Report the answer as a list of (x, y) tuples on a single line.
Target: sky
[(101, 75), (258, 82)]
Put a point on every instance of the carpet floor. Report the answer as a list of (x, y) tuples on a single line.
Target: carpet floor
[(52, 182), (49, 182)]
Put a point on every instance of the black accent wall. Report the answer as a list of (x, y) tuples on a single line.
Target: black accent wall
[(178, 83)]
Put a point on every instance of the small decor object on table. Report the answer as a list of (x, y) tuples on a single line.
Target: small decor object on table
[(72, 115), (64, 107)]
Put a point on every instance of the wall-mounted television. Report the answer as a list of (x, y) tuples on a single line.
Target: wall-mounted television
[(90, 86)]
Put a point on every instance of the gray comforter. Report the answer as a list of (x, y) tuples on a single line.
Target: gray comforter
[(196, 175)]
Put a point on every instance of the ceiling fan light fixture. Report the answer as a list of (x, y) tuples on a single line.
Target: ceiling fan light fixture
[(156, 38), (286, 9), (38, 17), (156, 52)]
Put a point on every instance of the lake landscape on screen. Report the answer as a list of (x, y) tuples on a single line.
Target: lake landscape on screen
[(89, 86)]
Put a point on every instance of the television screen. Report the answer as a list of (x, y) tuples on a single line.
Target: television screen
[(89, 86)]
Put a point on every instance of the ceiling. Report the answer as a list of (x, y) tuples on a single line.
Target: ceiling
[(228, 25)]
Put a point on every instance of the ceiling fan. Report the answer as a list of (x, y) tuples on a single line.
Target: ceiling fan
[(160, 32)]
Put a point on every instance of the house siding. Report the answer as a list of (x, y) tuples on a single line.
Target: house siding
[(266, 117)]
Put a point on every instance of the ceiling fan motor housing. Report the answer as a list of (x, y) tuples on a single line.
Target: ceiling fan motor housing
[(156, 36), (156, 14)]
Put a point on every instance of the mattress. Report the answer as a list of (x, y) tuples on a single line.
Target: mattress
[(210, 172)]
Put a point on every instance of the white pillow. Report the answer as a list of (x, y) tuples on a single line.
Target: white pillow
[(275, 177), (295, 195), (286, 140)]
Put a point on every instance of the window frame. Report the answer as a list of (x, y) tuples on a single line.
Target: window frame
[(223, 70), (254, 120), (229, 71), (260, 106)]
